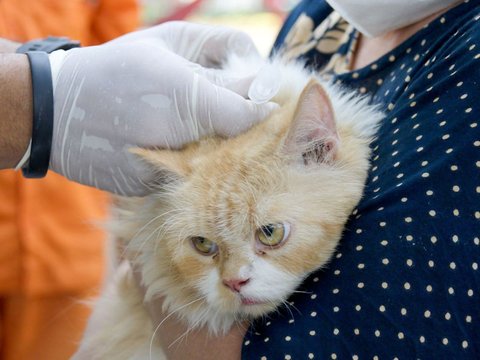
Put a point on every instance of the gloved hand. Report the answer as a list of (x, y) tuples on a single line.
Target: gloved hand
[(203, 44), (136, 91)]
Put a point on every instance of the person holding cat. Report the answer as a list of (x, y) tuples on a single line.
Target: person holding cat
[(404, 282)]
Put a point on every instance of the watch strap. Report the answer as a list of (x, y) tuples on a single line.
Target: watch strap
[(36, 165), (42, 126), (49, 44)]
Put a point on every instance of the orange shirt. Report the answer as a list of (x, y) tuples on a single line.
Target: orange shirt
[(50, 239)]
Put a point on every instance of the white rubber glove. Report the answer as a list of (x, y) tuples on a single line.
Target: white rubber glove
[(135, 91), (205, 45)]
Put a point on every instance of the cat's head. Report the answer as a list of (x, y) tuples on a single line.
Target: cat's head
[(237, 224)]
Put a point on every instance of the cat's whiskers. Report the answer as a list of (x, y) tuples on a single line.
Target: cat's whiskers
[(303, 292), (151, 186), (180, 236), (146, 240), (138, 233), (189, 330), (167, 317), (162, 229), (289, 305), (239, 323)]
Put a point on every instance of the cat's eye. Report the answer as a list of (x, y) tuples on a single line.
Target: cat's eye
[(204, 246), (273, 235)]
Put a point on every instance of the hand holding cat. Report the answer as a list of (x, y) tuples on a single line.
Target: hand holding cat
[(179, 341), (145, 89)]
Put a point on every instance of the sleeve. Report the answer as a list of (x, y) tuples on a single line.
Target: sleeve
[(114, 18)]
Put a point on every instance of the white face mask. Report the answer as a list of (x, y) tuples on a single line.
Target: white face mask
[(376, 17)]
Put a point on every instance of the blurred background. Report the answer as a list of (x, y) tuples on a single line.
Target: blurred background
[(261, 19)]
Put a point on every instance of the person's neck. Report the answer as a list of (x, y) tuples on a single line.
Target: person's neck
[(370, 49)]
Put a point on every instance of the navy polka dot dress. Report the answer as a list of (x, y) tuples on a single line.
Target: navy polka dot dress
[(405, 281)]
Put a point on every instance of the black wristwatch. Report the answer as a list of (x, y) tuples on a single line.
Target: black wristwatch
[(42, 95)]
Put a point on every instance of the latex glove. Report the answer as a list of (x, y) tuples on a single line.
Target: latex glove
[(203, 44), (135, 92), (208, 46)]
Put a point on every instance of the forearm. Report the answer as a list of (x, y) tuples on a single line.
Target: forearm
[(7, 46), (15, 105)]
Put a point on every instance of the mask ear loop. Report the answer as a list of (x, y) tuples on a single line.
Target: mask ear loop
[(266, 84)]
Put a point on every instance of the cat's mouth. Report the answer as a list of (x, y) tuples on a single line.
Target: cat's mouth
[(251, 301)]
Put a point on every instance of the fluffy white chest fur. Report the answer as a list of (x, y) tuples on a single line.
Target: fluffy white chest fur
[(233, 226)]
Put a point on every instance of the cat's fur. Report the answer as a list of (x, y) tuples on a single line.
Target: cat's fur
[(305, 165)]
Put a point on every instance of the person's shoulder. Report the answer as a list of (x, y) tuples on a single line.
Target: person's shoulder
[(462, 30), (315, 10)]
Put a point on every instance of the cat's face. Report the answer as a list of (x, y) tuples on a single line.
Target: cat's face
[(243, 221), (248, 234)]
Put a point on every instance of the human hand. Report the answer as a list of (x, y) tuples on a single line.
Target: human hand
[(133, 91), (178, 342), (205, 45)]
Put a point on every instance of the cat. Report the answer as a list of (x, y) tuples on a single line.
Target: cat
[(234, 225)]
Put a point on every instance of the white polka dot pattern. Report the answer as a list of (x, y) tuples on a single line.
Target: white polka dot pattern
[(405, 281)]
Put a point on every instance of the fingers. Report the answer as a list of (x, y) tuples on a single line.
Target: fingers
[(225, 41), (229, 80), (208, 45), (203, 44), (229, 114)]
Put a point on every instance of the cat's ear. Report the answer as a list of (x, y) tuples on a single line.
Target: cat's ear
[(165, 165), (313, 133)]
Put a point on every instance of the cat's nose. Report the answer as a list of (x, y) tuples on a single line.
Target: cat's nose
[(235, 284)]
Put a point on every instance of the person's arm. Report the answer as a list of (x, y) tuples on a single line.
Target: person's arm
[(15, 105), (140, 90), (8, 46)]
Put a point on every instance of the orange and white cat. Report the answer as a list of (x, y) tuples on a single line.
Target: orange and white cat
[(235, 225)]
